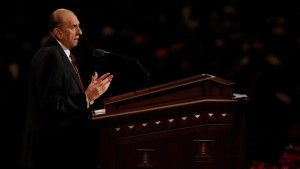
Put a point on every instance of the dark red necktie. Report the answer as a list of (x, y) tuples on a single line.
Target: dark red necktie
[(76, 69)]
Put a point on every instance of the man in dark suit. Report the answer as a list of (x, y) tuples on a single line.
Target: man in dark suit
[(58, 130)]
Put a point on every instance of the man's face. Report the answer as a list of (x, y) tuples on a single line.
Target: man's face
[(70, 31)]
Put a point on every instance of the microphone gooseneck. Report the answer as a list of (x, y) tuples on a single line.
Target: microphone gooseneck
[(101, 53)]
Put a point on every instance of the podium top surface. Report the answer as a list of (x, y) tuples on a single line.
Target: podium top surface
[(185, 90), (169, 86)]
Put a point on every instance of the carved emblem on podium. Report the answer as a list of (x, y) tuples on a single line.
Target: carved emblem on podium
[(145, 158), (204, 150)]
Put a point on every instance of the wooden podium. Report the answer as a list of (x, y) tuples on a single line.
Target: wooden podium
[(193, 123)]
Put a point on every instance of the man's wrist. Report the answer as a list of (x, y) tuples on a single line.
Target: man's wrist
[(88, 101)]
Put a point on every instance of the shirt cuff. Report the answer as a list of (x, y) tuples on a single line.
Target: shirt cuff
[(88, 102)]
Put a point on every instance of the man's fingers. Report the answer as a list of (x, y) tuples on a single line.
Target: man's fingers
[(105, 81), (102, 82), (105, 76), (95, 75), (94, 78)]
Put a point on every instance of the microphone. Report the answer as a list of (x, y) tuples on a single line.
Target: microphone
[(99, 53)]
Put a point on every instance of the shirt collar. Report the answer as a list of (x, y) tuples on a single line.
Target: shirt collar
[(66, 50)]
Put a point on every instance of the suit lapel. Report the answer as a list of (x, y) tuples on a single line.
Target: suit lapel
[(70, 67)]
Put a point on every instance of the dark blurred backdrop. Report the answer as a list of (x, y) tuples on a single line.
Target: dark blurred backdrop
[(253, 43)]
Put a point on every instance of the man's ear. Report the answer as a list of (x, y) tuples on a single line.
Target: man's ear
[(57, 33)]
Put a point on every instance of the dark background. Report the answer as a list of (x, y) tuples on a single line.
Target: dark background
[(253, 43)]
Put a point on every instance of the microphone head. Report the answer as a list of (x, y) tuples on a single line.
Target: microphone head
[(99, 53)]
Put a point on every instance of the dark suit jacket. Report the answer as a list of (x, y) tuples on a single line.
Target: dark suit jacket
[(58, 129)]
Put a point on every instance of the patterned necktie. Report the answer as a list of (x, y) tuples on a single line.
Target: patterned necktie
[(76, 69)]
